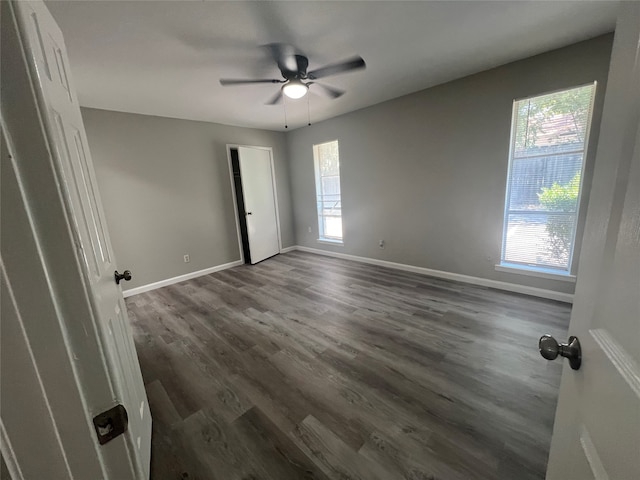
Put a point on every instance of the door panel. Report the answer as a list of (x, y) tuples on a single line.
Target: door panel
[(597, 429), (21, 386), (62, 120), (260, 202)]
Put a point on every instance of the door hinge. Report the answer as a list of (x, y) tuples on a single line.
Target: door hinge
[(111, 423)]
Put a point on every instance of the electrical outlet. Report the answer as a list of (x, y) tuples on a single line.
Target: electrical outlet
[(381, 244), (309, 229), (186, 258)]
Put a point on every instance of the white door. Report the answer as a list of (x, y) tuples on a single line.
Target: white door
[(256, 172), (597, 429), (117, 378)]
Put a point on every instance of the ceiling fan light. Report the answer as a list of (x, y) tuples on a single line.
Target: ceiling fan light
[(295, 89)]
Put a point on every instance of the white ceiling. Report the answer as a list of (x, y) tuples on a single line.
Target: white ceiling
[(165, 57)]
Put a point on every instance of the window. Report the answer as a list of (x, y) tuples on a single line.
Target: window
[(549, 137), (327, 166)]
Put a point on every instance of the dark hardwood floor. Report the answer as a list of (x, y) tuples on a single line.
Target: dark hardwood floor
[(310, 367)]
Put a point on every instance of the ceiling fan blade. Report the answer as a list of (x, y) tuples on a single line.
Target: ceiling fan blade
[(331, 92), (354, 63), (238, 81), (302, 62), (276, 99), (285, 56)]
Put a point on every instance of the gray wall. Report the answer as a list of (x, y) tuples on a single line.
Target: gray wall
[(166, 190), (427, 172)]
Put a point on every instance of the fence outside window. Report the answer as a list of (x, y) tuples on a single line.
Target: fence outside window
[(328, 198)]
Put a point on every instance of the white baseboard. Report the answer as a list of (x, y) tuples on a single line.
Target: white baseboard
[(180, 278), (485, 282)]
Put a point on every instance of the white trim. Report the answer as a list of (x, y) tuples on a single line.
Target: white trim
[(587, 140), (329, 241), (624, 362), (591, 454), (180, 278), (234, 200), (458, 277), (536, 272), (275, 198), (485, 282)]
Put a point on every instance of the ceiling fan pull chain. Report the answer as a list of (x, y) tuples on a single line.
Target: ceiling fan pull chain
[(284, 106), (308, 111)]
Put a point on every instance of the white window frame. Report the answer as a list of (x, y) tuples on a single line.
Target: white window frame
[(322, 238), (532, 269)]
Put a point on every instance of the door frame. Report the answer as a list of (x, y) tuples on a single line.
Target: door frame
[(234, 194)]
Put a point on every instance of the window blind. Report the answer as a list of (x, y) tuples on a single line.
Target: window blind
[(548, 144), (328, 198)]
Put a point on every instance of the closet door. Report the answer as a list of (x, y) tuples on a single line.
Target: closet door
[(256, 171)]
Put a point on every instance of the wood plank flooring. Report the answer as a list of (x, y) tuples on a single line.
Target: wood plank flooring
[(310, 367)]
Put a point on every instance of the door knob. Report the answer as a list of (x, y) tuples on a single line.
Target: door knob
[(126, 275), (550, 349)]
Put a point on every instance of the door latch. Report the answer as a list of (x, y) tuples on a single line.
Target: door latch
[(111, 423)]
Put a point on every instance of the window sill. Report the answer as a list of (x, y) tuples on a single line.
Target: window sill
[(536, 272), (330, 241)]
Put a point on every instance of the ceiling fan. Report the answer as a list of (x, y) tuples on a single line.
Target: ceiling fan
[(295, 77)]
